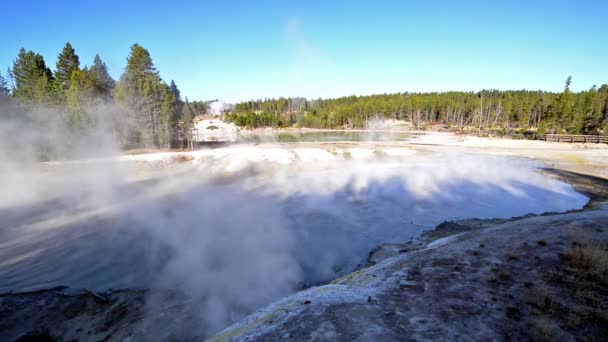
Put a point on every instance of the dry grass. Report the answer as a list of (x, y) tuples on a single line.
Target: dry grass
[(589, 259), (541, 297), (182, 158), (573, 295), (570, 299)]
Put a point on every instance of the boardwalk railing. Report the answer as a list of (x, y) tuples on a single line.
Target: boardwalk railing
[(572, 138)]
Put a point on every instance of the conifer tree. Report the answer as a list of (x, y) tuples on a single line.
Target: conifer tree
[(141, 89), (4, 89), (175, 91), (104, 83), (76, 117), (67, 62), (186, 122), (169, 117), (33, 79)]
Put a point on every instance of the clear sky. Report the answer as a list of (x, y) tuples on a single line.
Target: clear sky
[(238, 50)]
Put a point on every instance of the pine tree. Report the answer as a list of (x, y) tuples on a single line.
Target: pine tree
[(169, 117), (104, 83), (4, 90), (568, 82), (175, 91), (76, 116), (141, 89), (9, 78), (67, 62), (186, 122), (33, 79)]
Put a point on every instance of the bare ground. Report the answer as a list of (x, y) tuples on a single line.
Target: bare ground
[(507, 282)]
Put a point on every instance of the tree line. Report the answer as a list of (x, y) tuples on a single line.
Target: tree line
[(582, 112), (152, 112)]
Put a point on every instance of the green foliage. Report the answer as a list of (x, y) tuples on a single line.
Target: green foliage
[(67, 62), (4, 89), (156, 105), (80, 88), (154, 114), (188, 113), (175, 91), (141, 89), (104, 83), (170, 116), (33, 79), (198, 107)]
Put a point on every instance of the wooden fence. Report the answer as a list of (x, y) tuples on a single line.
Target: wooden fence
[(571, 138)]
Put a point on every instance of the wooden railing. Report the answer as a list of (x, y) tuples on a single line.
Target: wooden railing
[(572, 138)]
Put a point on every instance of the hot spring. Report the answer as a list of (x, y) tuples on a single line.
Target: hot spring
[(239, 227)]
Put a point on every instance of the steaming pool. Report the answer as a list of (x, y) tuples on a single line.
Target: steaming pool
[(239, 227)]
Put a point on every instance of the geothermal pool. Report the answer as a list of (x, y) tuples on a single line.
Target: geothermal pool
[(239, 227)]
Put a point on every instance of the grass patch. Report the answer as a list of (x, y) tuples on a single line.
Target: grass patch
[(589, 259), (182, 158), (571, 297), (542, 298)]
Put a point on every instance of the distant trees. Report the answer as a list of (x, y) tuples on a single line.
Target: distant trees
[(583, 112), (198, 107)]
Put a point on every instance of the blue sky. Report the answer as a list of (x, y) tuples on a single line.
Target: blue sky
[(235, 50)]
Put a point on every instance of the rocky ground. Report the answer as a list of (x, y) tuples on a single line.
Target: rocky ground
[(519, 280)]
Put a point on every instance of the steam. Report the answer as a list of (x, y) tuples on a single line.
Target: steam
[(33, 133), (234, 228), (219, 107)]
